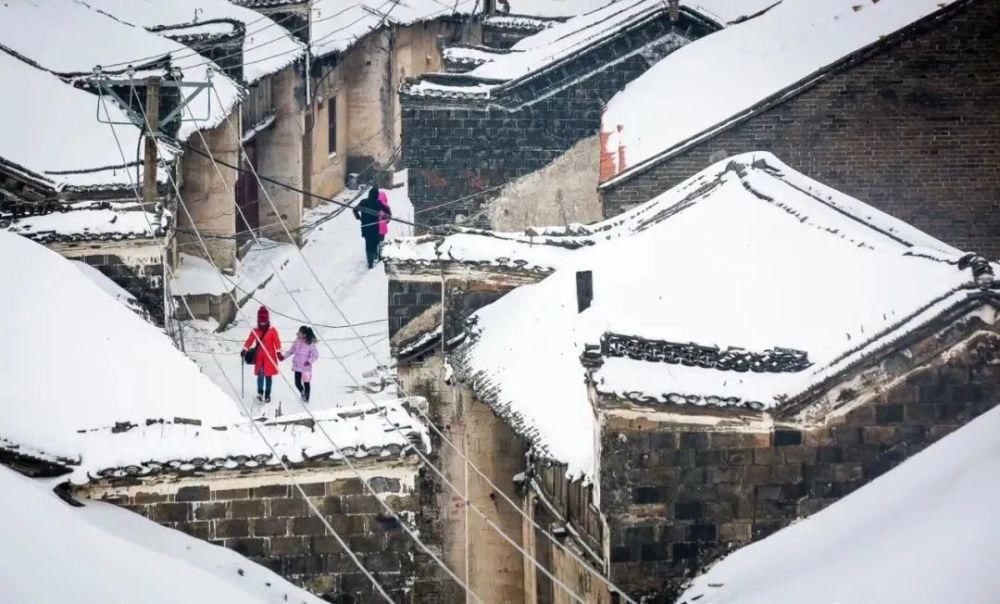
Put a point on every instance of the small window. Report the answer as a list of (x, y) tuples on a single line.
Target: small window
[(331, 125)]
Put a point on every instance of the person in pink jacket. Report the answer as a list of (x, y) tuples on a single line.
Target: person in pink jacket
[(303, 354), (384, 215)]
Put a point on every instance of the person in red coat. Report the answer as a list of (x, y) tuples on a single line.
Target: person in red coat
[(265, 339)]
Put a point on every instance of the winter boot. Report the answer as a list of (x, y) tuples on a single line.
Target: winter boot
[(267, 398), (260, 397)]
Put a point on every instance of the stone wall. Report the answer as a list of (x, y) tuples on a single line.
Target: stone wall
[(259, 514), (413, 290), (135, 266), (913, 129), (677, 495), (408, 299), (455, 148)]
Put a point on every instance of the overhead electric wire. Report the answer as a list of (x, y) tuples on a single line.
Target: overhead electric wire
[(317, 423), (477, 470), (492, 525), (288, 473)]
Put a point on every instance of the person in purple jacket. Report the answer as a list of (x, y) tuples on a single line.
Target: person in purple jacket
[(303, 354)]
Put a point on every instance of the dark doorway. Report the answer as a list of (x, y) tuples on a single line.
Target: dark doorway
[(247, 193)]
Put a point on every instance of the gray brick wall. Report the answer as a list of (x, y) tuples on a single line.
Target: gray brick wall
[(678, 499), (273, 526), (913, 130)]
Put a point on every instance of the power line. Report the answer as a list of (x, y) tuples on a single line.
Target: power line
[(510, 501), (249, 414), (427, 461), (318, 424)]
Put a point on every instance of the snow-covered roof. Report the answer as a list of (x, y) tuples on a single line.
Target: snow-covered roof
[(148, 449), (722, 11), (90, 385), (267, 46), (562, 40), (93, 220), (748, 254), (924, 533), (102, 553), (335, 28), (50, 129), (471, 55), (728, 74), (69, 39)]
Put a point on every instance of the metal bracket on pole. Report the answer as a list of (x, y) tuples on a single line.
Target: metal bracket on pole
[(105, 86)]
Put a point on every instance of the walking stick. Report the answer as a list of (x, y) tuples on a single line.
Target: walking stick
[(243, 395)]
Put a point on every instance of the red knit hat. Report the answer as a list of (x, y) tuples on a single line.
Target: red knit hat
[(262, 315)]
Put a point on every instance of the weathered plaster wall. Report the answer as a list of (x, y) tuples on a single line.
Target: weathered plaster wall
[(493, 567), (913, 130), (369, 77), (261, 515), (209, 198), (329, 166), (279, 156), (680, 490), (561, 193)]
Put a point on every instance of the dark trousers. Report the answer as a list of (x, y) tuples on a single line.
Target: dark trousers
[(303, 387), (264, 384), (371, 248)]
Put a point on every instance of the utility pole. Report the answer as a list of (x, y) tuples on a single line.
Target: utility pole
[(152, 125)]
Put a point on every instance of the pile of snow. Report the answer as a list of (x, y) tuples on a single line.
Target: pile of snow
[(69, 38), (924, 533), (197, 276), (747, 254), (727, 73), (76, 360), (336, 28), (101, 553), (267, 46)]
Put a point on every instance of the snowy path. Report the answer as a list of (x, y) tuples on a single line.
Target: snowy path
[(336, 253)]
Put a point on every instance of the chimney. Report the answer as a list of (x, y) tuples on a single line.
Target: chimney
[(584, 290)]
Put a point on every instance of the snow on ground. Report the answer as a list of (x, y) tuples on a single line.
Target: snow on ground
[(101, 553), (75, 359), (762, 257), (267, 46), (924, 533), (195, 275), (336, 252), (728, 72)]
